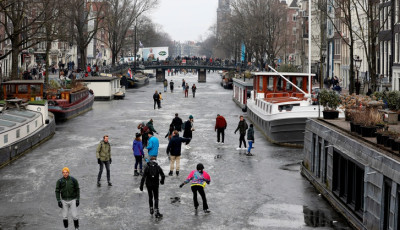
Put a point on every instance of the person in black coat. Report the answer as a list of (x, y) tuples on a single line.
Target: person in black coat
[(174, 148), (187, 133), (156, 98), (177, 122), (151, 176)]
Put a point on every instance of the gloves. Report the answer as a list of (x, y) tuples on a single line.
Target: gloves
[(162, 182), (60, 204), (235, 132), (141, 188), (98, 161), (110, 160), (180, 186), (77, 203), (208, 182)]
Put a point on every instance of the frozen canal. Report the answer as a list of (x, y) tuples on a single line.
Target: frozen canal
[(265, 191)]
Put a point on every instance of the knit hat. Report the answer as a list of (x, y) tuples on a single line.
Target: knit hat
[(200, 166), (190, 117), (65, 168)]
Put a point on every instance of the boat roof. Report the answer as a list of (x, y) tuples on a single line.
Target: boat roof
[(13, 118), (283, 73), (282, 99), (13, 82), (95, 79)]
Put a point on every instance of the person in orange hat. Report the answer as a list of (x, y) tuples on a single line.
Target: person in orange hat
[(67, 194)]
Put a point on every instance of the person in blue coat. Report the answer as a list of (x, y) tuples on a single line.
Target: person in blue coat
[(137, 148), (153, 145)]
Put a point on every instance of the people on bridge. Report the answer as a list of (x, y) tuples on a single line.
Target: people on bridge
[(242, 127), (174, 148), (188, 130), (220, 126), (151, 177), (171, 86), (250, 139), (194, 88), (156, 98), (68, 195), (187, 90), (198, 178), (177, 122), (103, 154), (153, 145), (165, 84), (138, 153)]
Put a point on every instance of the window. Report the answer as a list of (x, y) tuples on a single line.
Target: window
[(18, 133), (289, 86), (270, 86), (337, 46), (299, 82), (27, 129), (396, 51), (348, 182), (6, 139), (294, 18), (22, 89), (260, 83), (387, 188)]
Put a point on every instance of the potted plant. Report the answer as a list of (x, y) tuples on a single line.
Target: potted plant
[(330, 100), (382, 136)]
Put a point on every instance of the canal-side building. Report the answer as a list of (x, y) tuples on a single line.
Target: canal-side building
[(361, 180)]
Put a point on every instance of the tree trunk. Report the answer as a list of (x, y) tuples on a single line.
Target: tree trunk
[(46, 77), (82, 64), (15, 75)]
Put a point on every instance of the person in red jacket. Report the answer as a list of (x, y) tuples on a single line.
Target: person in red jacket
[(220, 126)]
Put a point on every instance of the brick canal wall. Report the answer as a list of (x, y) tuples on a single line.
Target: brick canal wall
[(360, 180)]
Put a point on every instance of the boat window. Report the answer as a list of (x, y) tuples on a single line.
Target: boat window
[(270, 86), (5, 138), (11, 89), (289, 86), (18, 133), (299, 82), (279, 86), (22, 88), (27, 128), (35, 89), (287, 107), (260, 83)]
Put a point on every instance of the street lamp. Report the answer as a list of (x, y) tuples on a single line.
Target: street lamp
[(357, 64)]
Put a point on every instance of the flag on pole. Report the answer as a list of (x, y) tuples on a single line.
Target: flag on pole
[(130, 73)]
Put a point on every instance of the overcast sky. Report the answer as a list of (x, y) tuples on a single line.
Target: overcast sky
[(185, 20)]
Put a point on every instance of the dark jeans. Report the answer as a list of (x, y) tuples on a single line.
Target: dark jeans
[(221, 131), (153, 191), (107, 164), (138, 161), (199, 189), (241, 139), (194, 94), (158, 102)]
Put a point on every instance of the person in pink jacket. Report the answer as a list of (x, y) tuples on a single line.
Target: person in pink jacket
[(198, 178)]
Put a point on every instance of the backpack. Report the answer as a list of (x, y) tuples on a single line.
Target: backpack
[(153, 170), (145, 129)]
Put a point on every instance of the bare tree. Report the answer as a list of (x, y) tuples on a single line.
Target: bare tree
[(23, 26), (120, 16), (86, 18)]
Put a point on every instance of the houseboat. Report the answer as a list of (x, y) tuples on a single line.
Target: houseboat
[(69, 103), (24, 119), (242, 91), (106, 87), (280, 104)]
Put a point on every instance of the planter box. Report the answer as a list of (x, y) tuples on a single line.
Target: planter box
[(368, 131), (352, 128), (384, 139), (330, 114), (389, 142), (395, 145), (357, 128), (379, 139)]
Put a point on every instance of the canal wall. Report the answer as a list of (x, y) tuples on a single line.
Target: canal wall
[(359, 179)]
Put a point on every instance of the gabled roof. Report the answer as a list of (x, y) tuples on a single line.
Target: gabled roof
[(294, 4)]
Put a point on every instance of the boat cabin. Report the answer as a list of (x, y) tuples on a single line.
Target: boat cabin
[(241, 90), (272, 87), (23, 89)]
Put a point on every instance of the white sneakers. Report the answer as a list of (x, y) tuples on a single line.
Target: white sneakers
[(238, 148), (187, 147), (217, 142)]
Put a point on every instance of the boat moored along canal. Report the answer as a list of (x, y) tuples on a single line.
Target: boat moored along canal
[(25, 121), (280, 104)]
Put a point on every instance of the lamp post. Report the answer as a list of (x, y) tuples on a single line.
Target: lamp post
[(357, 64)]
